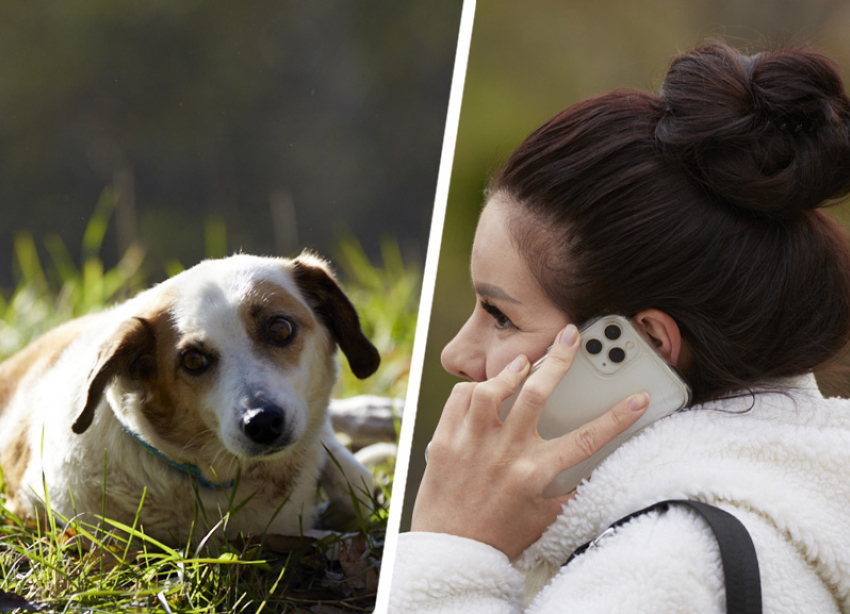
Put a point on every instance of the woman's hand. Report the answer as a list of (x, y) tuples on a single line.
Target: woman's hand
[(485, 478)]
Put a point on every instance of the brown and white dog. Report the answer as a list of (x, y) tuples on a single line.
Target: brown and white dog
[(218, 378)]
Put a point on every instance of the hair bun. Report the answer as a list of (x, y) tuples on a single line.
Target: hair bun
[(768, 134)]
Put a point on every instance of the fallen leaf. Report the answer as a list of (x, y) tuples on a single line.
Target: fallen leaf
[(358, 564)]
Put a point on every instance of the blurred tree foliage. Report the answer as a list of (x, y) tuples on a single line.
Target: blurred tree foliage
[(275, 119), (528, 60)]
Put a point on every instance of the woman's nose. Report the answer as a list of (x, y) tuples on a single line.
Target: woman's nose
[(463, 357)]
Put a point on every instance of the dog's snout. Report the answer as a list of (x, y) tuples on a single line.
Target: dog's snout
[(263, 424)]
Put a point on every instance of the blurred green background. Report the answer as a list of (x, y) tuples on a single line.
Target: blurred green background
[(528, 60), (286, 123)]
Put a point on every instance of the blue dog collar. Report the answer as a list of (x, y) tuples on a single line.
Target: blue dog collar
[(190, 470)]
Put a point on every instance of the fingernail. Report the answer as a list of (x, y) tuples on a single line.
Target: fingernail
[(569, 336), (518, 363), (638, 402)]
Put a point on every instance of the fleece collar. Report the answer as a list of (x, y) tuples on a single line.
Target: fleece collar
[(720, 451)]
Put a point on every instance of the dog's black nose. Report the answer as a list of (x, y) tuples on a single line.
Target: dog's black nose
[(263, 424)]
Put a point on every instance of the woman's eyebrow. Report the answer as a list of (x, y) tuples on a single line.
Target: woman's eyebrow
[(491, 291)]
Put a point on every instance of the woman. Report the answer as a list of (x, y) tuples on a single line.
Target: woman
[(694, 213)]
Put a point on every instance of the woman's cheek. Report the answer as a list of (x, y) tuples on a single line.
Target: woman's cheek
[(532, 346), (501, 359)]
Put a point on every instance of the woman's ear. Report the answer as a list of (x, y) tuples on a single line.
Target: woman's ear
[(664, 334)]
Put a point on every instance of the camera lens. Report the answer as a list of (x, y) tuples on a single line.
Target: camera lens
[(612, 331), (617, 355), (594, 346)]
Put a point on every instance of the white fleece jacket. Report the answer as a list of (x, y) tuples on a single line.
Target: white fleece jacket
[(782, 467)]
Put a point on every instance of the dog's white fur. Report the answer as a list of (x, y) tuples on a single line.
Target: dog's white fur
[(68, 400)]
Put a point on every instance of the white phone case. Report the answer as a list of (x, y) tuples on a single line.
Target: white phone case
[(597, 381)]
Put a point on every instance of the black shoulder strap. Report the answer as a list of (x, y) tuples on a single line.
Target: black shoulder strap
[(737, 554)]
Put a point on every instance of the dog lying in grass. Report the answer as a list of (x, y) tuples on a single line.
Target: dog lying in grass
[(211, 388)]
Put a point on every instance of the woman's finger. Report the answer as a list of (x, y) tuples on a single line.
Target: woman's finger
[(538, 387), (454, 411), (577, 446), (472, 407), (487, 397)]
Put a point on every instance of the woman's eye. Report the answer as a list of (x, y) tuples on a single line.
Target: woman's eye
[(502, 321), (194, 362), (279, 330)]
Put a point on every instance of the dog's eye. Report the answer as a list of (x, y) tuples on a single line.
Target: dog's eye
[(194, 362), (279, 330)]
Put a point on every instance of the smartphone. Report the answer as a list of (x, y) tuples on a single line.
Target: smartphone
[(615, 361)]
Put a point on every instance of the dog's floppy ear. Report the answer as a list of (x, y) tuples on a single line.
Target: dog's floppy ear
[(327, 299), (122, 353)]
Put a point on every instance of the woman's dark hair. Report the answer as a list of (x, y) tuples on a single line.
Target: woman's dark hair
[(701, 202)]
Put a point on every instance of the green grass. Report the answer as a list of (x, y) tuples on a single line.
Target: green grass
[(70, 565), (49, 295)]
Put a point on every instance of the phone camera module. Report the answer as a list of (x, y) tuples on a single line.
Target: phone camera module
[(616, 355), (612, 331), (593, 346)]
